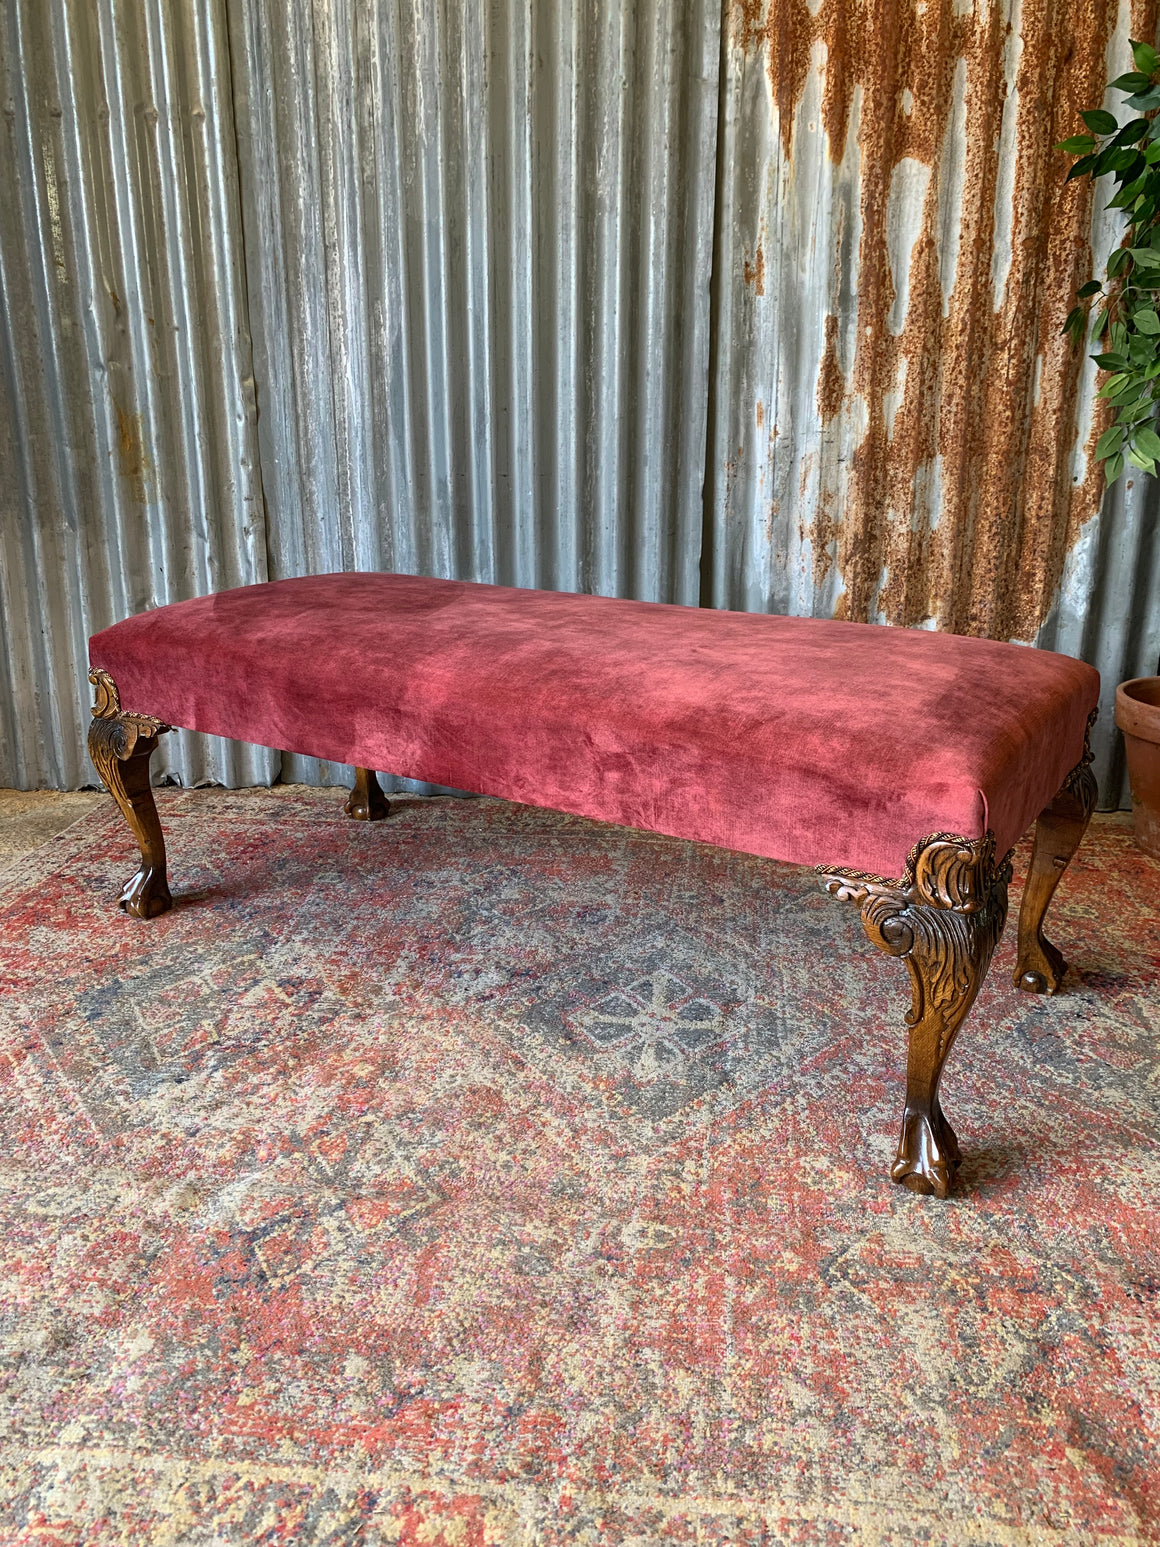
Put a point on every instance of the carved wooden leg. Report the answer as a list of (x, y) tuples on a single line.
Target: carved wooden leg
[(944, 918), (120, 746), (1060, 827), (367, 803)]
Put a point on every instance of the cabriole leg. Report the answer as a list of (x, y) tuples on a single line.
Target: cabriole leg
[(944, 919), (121, 746), (1058, 831), (366, 803)]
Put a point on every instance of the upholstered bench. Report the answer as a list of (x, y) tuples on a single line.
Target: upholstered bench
[(901, 763)]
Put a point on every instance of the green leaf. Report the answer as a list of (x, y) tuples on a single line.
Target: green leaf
[(1132, 81), (1110, 441), (1121, 388), (1145, 101), (1137, 459), (1101, 324), (1099, 121), (1146, 321), (1131, 132), (1124, 160), (1081, 168), (1152, 154), (1128, 392), (1110, 362), (1145, 58), (1077, 144), (1119, 261), (1134, 412), (1134, 385), (1093, 287), (1114, 468), (1143, 255), (1148, 442), (1074, 317)]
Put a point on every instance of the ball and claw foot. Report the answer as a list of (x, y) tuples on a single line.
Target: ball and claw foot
[(1040, 967), (1046, 975), (366, 802), (928, 1154), (943, 919), (121, 746), (147, 894)]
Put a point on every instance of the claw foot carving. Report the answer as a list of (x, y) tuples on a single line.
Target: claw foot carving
[(928, 1153), (1061, 825), (121, 745), (944, 919), (366, 802)]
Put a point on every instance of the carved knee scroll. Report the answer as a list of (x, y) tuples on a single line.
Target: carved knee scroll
[(120, 746), (366, 802), (944, 918), (1040, 967)]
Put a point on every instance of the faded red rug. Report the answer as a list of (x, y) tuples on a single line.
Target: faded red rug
[(492, 1176)]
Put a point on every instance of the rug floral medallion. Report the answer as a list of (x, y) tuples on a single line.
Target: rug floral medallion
[(486, 1175)]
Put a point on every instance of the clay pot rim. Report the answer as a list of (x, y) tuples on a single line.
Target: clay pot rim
[(1138, 716)]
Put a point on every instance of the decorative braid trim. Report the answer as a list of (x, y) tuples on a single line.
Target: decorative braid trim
[(1079, 782)]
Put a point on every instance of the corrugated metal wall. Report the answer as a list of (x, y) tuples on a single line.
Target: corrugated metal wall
[(899, 432), (479, 241), (553, 294), (128, 456)]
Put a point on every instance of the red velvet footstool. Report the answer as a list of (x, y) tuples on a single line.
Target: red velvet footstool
[(904, 764)]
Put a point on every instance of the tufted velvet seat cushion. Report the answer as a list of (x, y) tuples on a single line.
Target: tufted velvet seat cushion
[(796, 738)]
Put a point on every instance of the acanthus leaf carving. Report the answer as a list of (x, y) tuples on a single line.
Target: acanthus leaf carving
[(121, 746), (944, 917), (126, 730)]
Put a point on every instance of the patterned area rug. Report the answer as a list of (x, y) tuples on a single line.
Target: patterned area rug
[(490, 1176)]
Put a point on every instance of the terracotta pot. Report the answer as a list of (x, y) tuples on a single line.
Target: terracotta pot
[(1138, 716)]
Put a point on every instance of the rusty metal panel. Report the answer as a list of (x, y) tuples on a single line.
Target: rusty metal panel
[(479, 238), (128, 454), (898, 432)]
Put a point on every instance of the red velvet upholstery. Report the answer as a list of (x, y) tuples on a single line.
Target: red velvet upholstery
[(796, 738)]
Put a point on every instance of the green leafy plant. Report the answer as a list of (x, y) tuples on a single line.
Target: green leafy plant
[(1127, 324)]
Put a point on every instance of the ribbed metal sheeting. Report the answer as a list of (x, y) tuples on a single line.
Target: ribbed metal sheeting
[(540, 295), (479, 239), (1107, 611), (477, 248), (128, 455), (899, 433)]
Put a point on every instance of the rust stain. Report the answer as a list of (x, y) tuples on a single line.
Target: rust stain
[(831, 382), (988, 409), (760, 414), (831, 397), (136, 464), (755, 271)]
